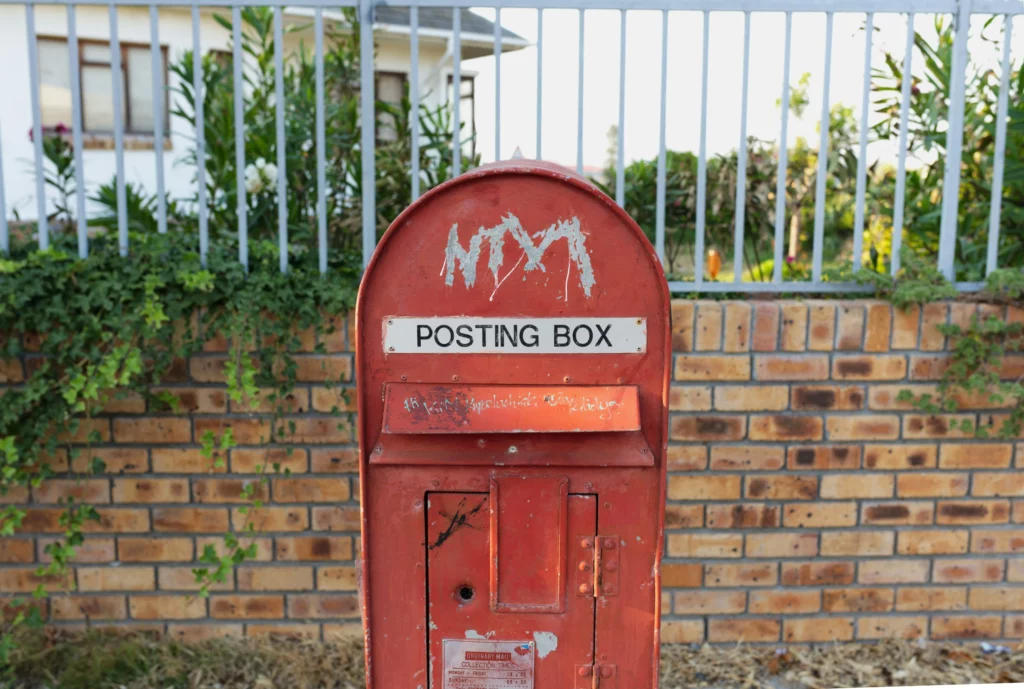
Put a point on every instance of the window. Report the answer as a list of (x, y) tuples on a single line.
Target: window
[(467, 111), (390, 88), (95, 77)]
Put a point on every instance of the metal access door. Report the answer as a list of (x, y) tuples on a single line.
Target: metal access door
[(506, 608)]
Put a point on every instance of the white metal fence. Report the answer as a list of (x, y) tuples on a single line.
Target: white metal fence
[(961, 11)]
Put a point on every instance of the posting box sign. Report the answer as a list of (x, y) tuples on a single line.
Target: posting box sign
[(464, 335)]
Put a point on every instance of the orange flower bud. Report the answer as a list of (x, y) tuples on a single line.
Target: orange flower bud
[(714, 263)]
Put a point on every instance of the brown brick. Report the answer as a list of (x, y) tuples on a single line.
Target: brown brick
[(737, 327), (26, 580), (781, 487), (16, 551), (1014, 626), (263, 547), (190, 519), (145, 490), (92, 608), (682, 325), (275, 579), (817, 573), (91, 550), (86, 431), (708, 332), (269, 460), (313, 548), (55, 490), (318, 368), (784, 602), (972, 512), (978, 627), (932, 542), (687, 458), (232, 607), (192, 400), (899, 512), (215, 490), (167, 607), (892, 627), (153, 430), (751, 397), (336, 518), (779, 545), (846, 486), (858, 600), (284, 631), (884, 397), (675, 575), (1018, 511), (781, 367), (334, 399), (766, 327), (997, 541), (862, 543), (850, 332), (245, 431), (879, 327), (184, 579), (893, 572), (194, 633), (817, 629), (337, 579), (786, 427), (900, 456), (931, 598), (868, 367), (676, 517), (962, 313), (741, 574), (712, 367), (11, 371), (828, 397), (271, 518), (822, 329), (928, 367), (703, 487), (689, 398), (334, 489), (937, 426), (709, 602), (932, 484), (999, 598), (150, 549), (748, 516), (333, 461), (725, 630), (672, 631), (116, 579), (269, 401), (321, 606), (863, 427), (184, 461), (116, 460), (932, 316), (905, 327), (708, 428), (794, 327), (975, 455), (746, 458), (962, 571), (820, 515), (824, 457), (705, 545)]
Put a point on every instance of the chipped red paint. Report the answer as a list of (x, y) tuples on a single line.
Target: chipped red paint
[(480, 534)]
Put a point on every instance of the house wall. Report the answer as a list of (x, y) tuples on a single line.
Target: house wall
[(92, 22), (805, 503)]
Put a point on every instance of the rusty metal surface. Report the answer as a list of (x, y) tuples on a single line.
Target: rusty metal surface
[(517, 240), (417, 408)]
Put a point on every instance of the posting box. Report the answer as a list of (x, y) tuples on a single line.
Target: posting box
[(513, 356)]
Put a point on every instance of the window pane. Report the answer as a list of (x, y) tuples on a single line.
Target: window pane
[(140, 90), (54, 83), (96, 52), (390, 89), (98, 99), (467, 86)]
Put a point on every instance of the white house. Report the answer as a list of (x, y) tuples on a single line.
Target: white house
[(393, 60)]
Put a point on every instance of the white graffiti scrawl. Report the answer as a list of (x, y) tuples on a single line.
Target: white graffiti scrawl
[(455, 256)]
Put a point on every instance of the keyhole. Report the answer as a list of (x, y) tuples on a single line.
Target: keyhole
[(466, 593)]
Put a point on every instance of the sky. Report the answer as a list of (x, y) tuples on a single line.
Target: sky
[(685, 44)]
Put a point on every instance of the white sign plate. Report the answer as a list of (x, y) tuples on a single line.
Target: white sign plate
[(469, 335), (488, 664)]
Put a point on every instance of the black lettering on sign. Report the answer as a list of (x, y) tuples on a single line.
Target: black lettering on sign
[(483, 334), (532, 341), (561, 335), (507, 334), (576, 336), (602, 335), (423, 332), (437, 336), (465, 333)]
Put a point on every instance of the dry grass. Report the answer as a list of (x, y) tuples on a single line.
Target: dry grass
[(111, 661)]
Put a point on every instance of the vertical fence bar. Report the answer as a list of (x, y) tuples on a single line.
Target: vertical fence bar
[(780, 175), (497, 83), (901, 164), (702, 161), (540, 75), (862, 155), (281, 144), (823, 143), (5, 231), (741, 161), (456, 91), (579, 104), (659, 204), (954, 141), (200, 108), (620, 153), (367, 107), (992, 259), (82, 223), (414, 96), (37, 125), (157, 63), (321, 141), (117, 71), (242, 207)]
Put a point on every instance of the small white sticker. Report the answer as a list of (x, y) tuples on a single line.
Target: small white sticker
[(467, 335), (488, 664)]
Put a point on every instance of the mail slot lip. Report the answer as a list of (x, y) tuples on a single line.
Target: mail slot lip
[(418, 408)]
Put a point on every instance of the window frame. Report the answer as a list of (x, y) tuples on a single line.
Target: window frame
[(376, 91), (471, 78), (125, 46)]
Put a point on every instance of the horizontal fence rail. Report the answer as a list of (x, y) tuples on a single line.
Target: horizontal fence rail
[(365, 11)]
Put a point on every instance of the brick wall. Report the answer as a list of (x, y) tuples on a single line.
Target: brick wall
[(805, 503)]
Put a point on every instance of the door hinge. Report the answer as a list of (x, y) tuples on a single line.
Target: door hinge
[(598, 675), (597, 566)]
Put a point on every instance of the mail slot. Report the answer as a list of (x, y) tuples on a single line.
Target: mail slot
[(513, 353)]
